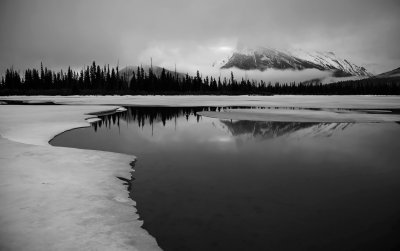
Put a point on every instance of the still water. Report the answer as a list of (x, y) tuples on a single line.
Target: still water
[(210, 184)]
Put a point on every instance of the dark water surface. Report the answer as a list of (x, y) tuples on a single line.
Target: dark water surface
[(210, 184)]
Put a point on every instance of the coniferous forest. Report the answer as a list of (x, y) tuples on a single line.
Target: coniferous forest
[(103, 80)]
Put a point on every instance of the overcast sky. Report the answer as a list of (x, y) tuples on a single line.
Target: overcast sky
[(190, 33)]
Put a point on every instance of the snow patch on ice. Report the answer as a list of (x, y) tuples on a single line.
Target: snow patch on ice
[(57, 198), (304, 101), (93, 120), (121, 109), (39, 123)]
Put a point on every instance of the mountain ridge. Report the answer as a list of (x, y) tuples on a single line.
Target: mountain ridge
[(390, 74), (127, 71), (264, 58)]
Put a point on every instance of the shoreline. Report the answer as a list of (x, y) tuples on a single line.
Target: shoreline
[(57, 198), (328, 102)]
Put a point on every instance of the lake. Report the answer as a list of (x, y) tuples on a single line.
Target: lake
[(208, 184)]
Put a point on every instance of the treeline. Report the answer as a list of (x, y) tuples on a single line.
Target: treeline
[(91, 80), (103, 80), (368, 86), (144, 115)]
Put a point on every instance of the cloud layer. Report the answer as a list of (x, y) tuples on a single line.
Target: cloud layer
[(62, 33)]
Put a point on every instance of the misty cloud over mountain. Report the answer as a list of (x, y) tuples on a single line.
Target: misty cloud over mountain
[(62, 33)]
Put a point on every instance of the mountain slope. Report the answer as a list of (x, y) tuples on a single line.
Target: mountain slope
[(266, 58), (268, 130), (330, 61), (390, 74), (127, 71)]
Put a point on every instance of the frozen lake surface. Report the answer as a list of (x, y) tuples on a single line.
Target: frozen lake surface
[(215, 184)]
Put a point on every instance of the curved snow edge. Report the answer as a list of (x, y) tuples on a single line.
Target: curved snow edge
[(95, 211)]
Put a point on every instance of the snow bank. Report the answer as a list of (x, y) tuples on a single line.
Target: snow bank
[(92, 120), (286, 115), (364, 102), (55, 198), (121, 109), (39, 123)]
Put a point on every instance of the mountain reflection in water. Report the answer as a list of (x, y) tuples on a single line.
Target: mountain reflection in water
[(207, 184), (252, 129)]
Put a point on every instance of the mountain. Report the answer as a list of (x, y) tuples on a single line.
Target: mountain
[(330, 61), (268, 130), (390, 74), (263, 58), (127, 71)]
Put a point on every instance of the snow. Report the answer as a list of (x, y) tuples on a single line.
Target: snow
[(360, 102), (92, 120), (218, 63), (328, 60), (121, 109), (295, 57), (39, 123), (320, 130), (55, 198), (288, 115), (246, 51)]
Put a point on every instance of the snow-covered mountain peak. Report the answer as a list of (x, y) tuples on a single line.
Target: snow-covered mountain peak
[(330, 61), (263, 58)]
